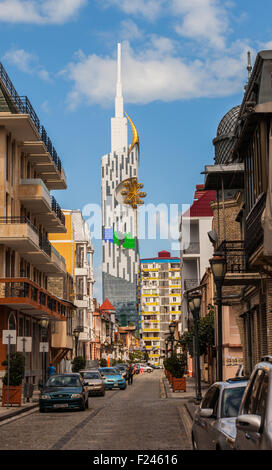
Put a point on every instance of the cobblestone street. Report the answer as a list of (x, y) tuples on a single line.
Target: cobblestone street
[(133, 419)]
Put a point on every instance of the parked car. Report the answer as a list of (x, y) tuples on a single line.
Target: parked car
[(112, 379), (214, 422), (146, 368), (254, 420), (64, 391), (94, 380)]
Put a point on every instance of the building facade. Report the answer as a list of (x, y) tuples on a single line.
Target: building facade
[(119, 225), (160, 302), (29, 169), (76, 248)]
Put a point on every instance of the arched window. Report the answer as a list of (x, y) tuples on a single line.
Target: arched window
[(12, 321)]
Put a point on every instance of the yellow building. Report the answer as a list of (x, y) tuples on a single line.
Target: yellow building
[(160, 302)]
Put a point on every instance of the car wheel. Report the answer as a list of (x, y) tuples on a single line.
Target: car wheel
[(194, 443), (102, 393), (149, 371), (42, 410), (87, 403)]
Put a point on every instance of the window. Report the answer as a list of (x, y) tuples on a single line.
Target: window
[(210, 400), (231, 401), (251, 400)]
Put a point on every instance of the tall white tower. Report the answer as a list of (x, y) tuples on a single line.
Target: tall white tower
[(119, 263)]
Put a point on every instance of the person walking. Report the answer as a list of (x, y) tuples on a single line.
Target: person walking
[(130, 375), (51, 370)]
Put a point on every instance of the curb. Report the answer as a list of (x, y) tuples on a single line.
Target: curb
[(14, 413)]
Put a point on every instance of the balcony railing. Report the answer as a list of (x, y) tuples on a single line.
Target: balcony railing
[(56, 208), (23, 106), (193, 248), (190, 283), (25, 291), (45, 244), (253, 226), (18, 220), (234, 252)]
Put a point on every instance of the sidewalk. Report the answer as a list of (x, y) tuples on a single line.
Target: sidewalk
[(190, 389), (16, 410)]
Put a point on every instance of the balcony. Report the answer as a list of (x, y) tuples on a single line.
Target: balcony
[(253, 226), (19, 234), (193, 249), (19, 116), (28, 297), (190, 284), (238, 271)]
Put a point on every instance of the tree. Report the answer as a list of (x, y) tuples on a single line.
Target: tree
[(78, 363), (176, 365), (205, 334), (16, 369)]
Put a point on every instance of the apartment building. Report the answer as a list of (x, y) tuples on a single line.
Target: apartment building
[(160, 302), (77, 250), (29, 169), (196, 249)]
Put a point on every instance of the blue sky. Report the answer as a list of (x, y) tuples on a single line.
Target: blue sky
[(183, 68)]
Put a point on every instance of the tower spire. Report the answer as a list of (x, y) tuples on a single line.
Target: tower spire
[(119, 102)]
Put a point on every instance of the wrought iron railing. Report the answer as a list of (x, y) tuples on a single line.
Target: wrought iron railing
[(45, 244), (23, 106), (253, 226), (57, 209), (235, 255)]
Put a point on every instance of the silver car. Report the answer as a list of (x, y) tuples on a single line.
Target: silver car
[(94, 382), (214, 422), (254, 420)]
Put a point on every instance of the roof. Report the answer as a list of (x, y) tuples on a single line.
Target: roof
[(201, 205), (107, 305), (162, 256)]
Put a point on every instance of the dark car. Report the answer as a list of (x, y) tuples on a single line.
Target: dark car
[(64, 391)]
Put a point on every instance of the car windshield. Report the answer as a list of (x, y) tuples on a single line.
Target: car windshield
[(109, 372), (63, 381), (231, 401), (91, 375)]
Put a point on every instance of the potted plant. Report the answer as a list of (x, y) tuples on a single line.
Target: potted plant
[(78, 363), (16, 375), (177, 367)]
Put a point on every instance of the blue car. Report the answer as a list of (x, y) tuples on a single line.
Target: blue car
[(112, 379), (64, 391)]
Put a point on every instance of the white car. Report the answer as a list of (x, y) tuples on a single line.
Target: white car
[(146, 368)]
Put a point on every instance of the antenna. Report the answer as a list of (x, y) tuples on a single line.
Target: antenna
[(119, 106)]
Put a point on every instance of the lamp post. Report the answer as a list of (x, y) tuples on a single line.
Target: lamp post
[(44, 323), (219, 267), (166, 349), (172, 327), (76, 336), (194, 305)]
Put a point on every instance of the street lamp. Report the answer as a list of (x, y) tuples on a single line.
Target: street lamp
[(172, 327), (76, 336), (219, 267), (194, 305), (44, 323), (166, 349)]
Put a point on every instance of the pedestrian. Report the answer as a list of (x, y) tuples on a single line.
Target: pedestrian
[(51, 370), (130, 375)]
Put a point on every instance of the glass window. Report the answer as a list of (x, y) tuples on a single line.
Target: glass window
[(231, 401), (252, 393), (262, 399), (210, 400)]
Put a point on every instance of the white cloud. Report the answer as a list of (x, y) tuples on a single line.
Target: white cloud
[(129, 30), (156, 73), (26, 62), (39, 12), (202, 20), (150, 9)]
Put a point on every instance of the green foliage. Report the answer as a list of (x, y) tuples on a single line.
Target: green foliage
[(137, 356), (205, 334), (78, 363), (103, 362), (176, 365), (16, 370)]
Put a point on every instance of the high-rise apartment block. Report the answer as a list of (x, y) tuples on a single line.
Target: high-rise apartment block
[(160, 302)]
